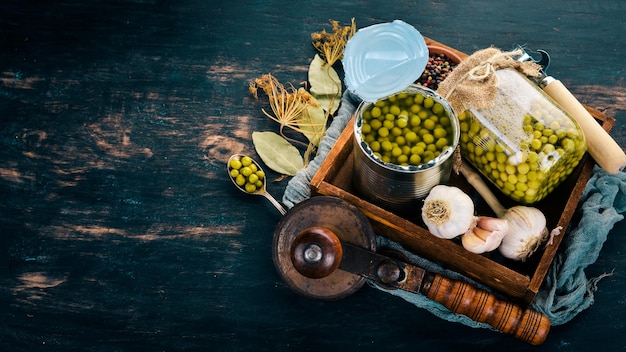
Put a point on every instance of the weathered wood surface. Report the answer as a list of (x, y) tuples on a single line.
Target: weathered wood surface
[(119, 229)]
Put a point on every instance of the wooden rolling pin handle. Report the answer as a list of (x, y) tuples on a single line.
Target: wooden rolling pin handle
[(481, 306), (600, 145)]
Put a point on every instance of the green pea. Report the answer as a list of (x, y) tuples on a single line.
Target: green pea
[(376, 112), (429, 124), (536, 144), (250, 188), (464, 128), (523, 168), (428, 102), (375, 145), (246, 171), (437, 108), (428, 138), (441, 143), (440, 132), (415, 108), (510, 169), (235, 164), (553, 139), (402, 122), (383, 132), (240, 180), (411, 137), (548, 149), (253, 178), (415, 121), (246, 161)]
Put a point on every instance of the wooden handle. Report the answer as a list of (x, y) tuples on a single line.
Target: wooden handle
[(481, 306), (601, 146)]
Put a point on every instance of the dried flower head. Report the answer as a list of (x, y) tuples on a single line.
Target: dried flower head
[(331, 45), (288, 103)]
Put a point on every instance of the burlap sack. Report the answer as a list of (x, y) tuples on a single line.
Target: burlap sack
[(473, 83)]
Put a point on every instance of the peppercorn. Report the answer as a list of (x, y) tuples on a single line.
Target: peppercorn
[(437, 69)]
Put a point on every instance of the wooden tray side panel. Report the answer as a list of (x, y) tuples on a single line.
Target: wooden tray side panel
[(334, 164)]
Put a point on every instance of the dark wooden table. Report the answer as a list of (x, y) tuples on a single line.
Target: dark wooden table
[(119, 227)]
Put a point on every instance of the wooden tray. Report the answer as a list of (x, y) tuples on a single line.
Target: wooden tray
[(519, 281)]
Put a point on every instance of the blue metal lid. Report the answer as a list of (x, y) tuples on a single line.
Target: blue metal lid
[(383, 59)]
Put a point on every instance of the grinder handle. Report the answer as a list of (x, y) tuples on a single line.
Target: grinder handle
[(601, 146), (481, 306)]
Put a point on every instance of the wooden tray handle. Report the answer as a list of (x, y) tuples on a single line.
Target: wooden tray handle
[(481, 306)]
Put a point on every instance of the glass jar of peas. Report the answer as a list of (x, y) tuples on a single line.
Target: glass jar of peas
[(525, 144)]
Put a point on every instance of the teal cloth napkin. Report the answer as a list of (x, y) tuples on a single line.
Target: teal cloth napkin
[(566, 290)]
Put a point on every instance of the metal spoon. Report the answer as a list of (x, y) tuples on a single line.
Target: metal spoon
[(262, 191)]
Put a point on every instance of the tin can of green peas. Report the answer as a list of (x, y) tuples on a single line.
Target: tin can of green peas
[(404, 134), (403, 146)]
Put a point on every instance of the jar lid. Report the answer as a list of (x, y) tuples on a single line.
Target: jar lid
[(383, 59)]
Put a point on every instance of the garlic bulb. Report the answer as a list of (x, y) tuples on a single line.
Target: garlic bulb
[(527, 230), (448, 212), (486, 235)]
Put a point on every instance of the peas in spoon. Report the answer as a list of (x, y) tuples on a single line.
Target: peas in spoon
[(249, 177)]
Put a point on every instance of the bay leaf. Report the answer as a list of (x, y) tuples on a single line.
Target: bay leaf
[(277, 153), (325, 84), (312, 123)]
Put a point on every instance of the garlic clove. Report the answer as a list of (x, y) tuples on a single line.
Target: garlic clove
[(482, 234), (472, 242), (486, 236), (492, 224)]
